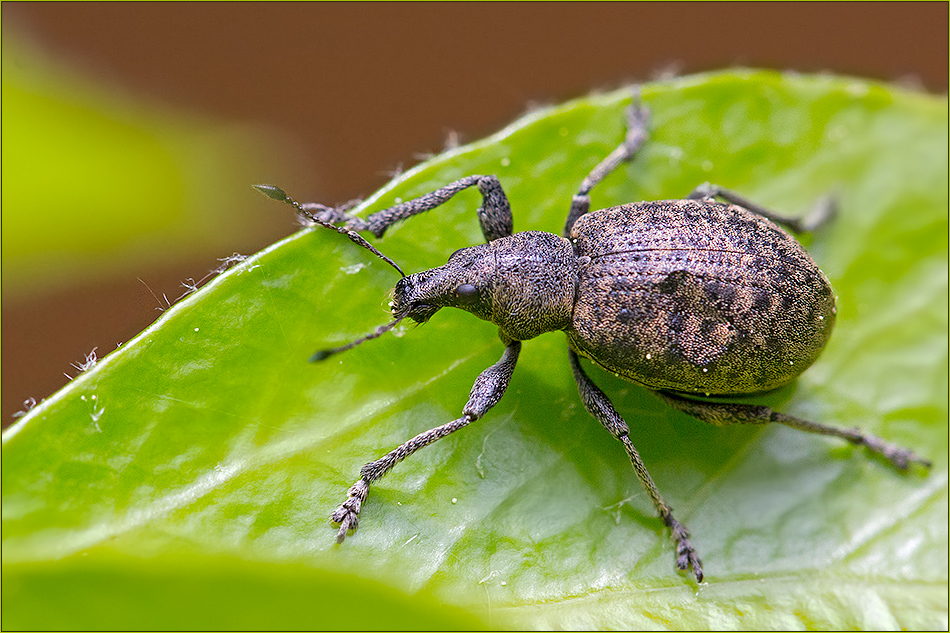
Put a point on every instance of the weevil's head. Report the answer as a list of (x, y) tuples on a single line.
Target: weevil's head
[(524, 283), (463, 282)]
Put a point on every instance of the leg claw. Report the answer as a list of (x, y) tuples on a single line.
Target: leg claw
[(686, 556), (900, 457), (348, 514)]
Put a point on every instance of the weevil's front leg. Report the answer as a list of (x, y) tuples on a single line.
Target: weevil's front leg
[(489, 387), (638, 117), (599, 406), (722, 413), (822, 212), (494, 215)]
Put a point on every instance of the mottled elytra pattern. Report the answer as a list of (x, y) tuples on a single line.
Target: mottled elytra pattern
[(682, 296), (697, 296)]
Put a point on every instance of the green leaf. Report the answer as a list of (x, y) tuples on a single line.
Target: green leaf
[(197, 592), (210, 435)]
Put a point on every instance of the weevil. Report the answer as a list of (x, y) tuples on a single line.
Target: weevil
[(702, 296)]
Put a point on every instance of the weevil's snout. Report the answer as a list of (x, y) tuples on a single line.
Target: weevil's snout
[(463, 282), (409, 298)]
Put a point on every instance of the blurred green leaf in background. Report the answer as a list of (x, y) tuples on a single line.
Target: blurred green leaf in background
[(94, 180), (194, 468)]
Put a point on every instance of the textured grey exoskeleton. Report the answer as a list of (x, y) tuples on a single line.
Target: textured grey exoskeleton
[(685, 297)]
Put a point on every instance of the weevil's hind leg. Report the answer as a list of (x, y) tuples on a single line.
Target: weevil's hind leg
[(494, 215), (638, 118), (599, 406), (488, 389), (822, 212), (722, 413)]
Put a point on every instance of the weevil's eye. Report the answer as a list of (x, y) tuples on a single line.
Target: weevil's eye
[(467, 293)]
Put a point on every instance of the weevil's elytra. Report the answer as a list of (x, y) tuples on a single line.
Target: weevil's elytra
[(686, 297), (704, 290)]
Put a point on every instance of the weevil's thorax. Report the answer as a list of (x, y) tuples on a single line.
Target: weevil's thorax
[(534, 284), (523, 283)]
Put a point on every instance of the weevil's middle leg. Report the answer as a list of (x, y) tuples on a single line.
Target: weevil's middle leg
[(822, 212), (599, 406), (722, 413), (638, 117), (488, 389)]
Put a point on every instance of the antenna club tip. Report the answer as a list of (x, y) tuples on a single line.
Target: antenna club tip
[(272, 191), (323, 354)]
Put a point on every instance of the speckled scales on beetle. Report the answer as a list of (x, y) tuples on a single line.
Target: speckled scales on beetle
[(696, 297)]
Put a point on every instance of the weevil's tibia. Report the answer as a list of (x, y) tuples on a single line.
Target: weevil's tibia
[(723, 413), (488, 389), (822, 212), (494, 216), (638, 118), (598, 405)]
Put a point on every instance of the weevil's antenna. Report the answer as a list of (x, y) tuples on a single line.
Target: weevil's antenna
[(379, 331), (280, 195)]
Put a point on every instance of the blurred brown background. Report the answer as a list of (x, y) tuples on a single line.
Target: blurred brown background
[(363, 88)]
